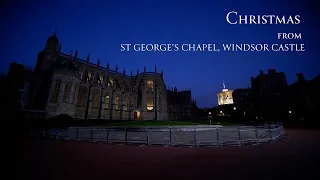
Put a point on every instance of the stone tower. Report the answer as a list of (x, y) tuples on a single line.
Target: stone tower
[(42, 73)]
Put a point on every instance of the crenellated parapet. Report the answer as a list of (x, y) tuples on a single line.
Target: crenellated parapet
[(95, 73)]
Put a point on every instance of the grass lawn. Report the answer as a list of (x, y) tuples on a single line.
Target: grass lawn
[(152, 123), (223, 123), (168, 123)]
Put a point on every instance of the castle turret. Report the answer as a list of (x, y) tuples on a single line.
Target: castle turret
[(43, 71), (76, 55), (88, 59), (52, 44), (301, 78), (47, 57), (98, 63)]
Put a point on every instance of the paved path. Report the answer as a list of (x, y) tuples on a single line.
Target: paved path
[(295, 158)]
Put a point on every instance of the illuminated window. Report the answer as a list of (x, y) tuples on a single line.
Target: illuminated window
[(107, 102), (81, 74), (100, 80), (110, 83), (116, 102), (82, 96), (89, 77), (67, 91), (56, 90), (150, 105), (95, 99), (150, 85)]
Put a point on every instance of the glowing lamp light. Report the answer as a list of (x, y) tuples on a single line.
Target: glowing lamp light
[(289, 112), (234, 108), (209, 113), (221, 112)]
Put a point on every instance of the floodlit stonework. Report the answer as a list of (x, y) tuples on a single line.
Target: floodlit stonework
[(225, 96)]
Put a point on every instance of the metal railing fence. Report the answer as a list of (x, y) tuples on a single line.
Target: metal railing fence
[(173, 136)]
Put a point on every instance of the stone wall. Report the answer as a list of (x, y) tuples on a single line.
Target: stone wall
[(118, 96)]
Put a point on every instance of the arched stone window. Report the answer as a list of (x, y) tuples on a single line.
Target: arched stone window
[(95, 99), (150, 104), (110, 83), (81, 73), (107, 101), (82, 96), (100, 80), (117, 101), (150, 85), (56, 90), (126, 103), (67, 92), (89, 77)]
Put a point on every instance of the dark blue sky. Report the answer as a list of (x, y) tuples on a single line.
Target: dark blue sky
[(99, 27)]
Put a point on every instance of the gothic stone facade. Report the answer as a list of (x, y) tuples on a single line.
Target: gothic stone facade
[(65, 84), (180, 104)]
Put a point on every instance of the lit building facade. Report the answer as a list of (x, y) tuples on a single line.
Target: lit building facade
[(225, 96), (65, 84)]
